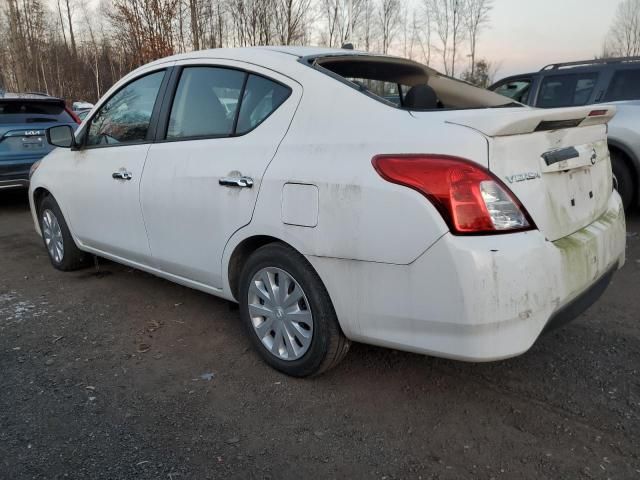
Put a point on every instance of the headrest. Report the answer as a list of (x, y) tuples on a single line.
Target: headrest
[(421, 97)]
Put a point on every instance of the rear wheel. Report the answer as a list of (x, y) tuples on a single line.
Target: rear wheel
[(624, 180), (62, 250), (288, 313)]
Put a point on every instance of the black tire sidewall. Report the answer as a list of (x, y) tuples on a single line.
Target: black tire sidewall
[(72, 256), (284, 258), (624, 180)]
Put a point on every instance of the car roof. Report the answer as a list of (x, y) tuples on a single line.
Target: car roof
[(248, 52), (267, 56), (580, 66)]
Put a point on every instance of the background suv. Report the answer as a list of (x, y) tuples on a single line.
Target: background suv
[(24, 118), (614, 81)]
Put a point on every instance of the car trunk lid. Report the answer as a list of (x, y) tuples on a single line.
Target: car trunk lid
[(23, 141), (555, 161)]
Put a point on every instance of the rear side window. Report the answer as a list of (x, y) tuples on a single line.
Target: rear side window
[(29, 111), (221, 102), (567, 90), (261, 98), (517, 90), (205, 103), (625, 85)]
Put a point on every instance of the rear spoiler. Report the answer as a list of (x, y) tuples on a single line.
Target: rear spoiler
[(34, 99), (528, 120)]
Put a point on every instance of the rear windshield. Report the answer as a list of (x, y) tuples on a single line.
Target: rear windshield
[(406, 84), (30, 111)]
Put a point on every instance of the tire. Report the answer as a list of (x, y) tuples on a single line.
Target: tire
[(316, 342), (62, 250), (624, 179)]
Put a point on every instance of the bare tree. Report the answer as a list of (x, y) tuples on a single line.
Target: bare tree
[(291, 20), (77, 49), (439, 15), (623, 39), (64, 35), (145, 27), (476, 16), (389, 18), (483, 75), (252, 21), (423, 39), (367, 24), (74, 50), (332, 15), (214, 24), (447, 21)]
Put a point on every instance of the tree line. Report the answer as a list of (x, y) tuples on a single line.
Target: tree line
[(623, 39), (77, 49)]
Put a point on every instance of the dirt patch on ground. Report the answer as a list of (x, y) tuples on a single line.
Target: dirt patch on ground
[(117, 374)]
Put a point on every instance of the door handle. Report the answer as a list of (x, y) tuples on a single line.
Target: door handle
[(242, 182), (122, 174)]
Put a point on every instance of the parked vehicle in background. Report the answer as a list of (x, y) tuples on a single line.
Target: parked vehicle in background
[(274, 177), (82, 114), (24, 119), (81, 106), (615, 81)]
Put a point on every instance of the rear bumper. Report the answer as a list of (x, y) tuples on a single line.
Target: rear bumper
[(581, 303), (477, 298), (14, 172), (14, 183)]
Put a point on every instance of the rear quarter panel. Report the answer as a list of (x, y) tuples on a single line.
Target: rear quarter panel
[(334, 136)]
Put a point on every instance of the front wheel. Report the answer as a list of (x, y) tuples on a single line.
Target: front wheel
[(62, 250), (288, 313)]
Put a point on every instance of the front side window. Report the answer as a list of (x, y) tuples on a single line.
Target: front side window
[(567, 90), (517, 90), (205, 103), (126, 116), (624, 86)]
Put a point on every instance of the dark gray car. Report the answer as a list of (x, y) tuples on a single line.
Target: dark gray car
[(611, 81)]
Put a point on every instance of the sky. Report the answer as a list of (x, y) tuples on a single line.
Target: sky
[(526, 35)]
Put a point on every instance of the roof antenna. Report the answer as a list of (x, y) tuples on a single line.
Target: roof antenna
[(347, 46)]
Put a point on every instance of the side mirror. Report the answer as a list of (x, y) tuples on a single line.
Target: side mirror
[(61, 136)]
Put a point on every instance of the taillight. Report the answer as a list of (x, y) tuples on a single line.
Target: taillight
[(471, 199)]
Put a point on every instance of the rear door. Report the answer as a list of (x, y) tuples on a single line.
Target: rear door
[(568, 89), (624, 85), (203, 175)]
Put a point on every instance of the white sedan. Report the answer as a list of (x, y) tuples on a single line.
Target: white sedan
[(340, 196)]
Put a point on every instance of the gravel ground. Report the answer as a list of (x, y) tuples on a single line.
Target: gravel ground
[(116, 374)]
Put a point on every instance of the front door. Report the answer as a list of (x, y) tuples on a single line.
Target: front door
[(102, 199), (203, 176)]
